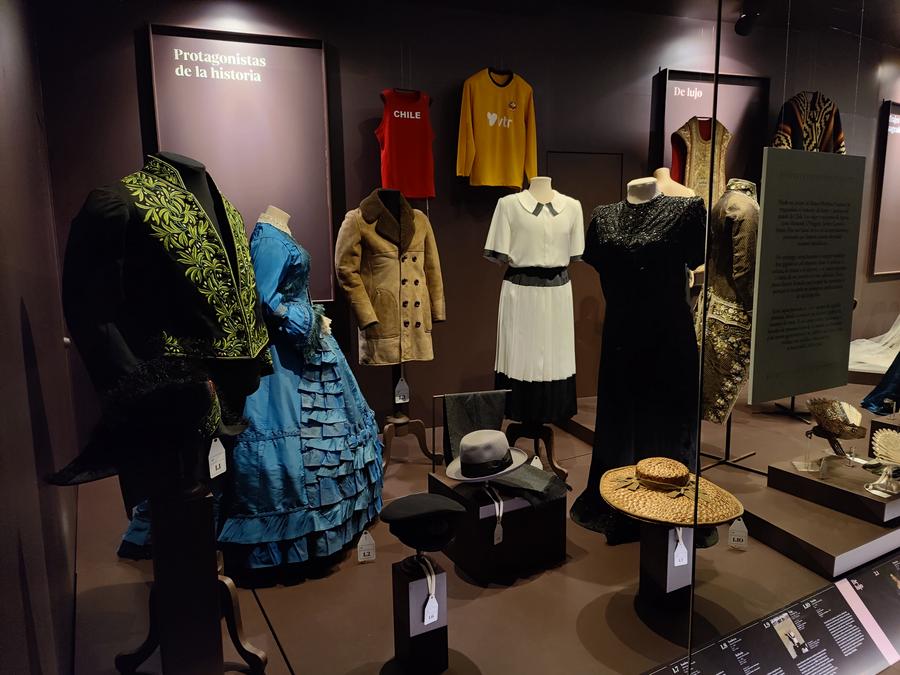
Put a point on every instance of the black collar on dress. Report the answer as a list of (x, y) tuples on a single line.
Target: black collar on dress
[(373, 210)]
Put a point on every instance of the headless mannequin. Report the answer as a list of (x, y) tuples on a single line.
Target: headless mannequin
[(679, 150), (276, 218), (541, 190), (279, 220), (669, 187), (641, 190), (399, 424)]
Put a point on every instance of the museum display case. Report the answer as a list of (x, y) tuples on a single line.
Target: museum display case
[(593, 307)]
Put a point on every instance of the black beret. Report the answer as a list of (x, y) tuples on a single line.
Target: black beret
[(425, 522)]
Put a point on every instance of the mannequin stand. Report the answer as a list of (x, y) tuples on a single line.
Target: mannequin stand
[(517, 430), (189, 597), (787, 411), (418, 649), (399, 424), (727, 459)]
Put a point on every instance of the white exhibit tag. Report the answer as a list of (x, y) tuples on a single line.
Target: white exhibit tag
[(498, 510), (536, 463), (365, 549), (401, 391), (216, 458), (681, 553), (431, 605), (737, 535)]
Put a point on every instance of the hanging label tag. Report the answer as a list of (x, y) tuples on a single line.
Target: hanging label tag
[(737, 535), (681, 553), (498, 534), (431, 610), (365, 550), (401, 391), (216, 458), (537, 464)]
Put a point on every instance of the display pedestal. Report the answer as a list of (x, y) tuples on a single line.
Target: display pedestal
[(419, 648), (538, 433), (188, 597), (661, 582), (534, 534), (842, 489)]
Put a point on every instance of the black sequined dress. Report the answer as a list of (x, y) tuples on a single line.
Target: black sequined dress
[(647, 388)]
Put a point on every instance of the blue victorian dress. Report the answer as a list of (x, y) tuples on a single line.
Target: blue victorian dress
[(306, 474)]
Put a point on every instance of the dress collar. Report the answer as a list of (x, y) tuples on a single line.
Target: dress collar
[(534, 207)]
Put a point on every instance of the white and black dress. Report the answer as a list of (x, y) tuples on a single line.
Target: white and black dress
[(535, 324)]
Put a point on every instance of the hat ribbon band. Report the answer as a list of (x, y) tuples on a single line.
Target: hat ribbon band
[(485, 468), (674, 491)]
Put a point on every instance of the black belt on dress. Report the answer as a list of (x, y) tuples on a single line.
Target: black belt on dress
[(537, 276)]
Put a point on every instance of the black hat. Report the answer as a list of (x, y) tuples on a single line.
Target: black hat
[(425, 522)]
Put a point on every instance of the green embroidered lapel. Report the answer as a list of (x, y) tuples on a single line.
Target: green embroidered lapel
[(178, 221)]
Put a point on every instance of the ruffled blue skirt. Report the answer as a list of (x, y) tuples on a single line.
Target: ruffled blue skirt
[(307, 472)]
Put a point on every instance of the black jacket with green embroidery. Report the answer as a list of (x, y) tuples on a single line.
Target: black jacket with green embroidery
[(148, 276)]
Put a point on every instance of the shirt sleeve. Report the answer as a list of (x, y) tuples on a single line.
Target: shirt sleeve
[(433, 279), (576, 236), (693, 232), (497, 245), (743, 235), (591, 253), (465, 148), (347, 261), (93, 287), (530, 140), (270, 261)]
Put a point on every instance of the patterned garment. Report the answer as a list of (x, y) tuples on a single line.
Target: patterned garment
[(733, 225), (697, 157), (810, 121), (726, 357)]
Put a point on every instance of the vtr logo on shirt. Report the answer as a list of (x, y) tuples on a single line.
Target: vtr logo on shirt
[(499, 121)]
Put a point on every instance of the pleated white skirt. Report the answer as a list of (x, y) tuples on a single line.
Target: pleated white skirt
[(535, 332)]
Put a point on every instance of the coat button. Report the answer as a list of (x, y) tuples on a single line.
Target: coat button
[(406, 303), (417, 303), (406, 324), (403, 281), (418, 323), (403, 259), (416, 282), (414, 258)]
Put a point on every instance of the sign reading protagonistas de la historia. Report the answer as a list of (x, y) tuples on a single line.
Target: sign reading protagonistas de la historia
[(805, 272), (252, 109)]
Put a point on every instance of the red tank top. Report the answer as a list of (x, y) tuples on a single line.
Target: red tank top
[(405, 136)]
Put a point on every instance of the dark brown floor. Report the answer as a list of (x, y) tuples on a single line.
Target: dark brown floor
[(577, 618)]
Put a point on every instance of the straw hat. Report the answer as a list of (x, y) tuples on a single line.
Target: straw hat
[(838, 418), (661, 490)]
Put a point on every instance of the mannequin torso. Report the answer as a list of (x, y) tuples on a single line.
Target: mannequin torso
[(669, 187), (641, 190), (541, 189)]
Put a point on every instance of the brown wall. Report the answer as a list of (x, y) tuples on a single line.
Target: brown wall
[(37, 521), (592, 79)]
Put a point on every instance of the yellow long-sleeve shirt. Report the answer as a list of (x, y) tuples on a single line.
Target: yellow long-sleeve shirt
[(497, 138)]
